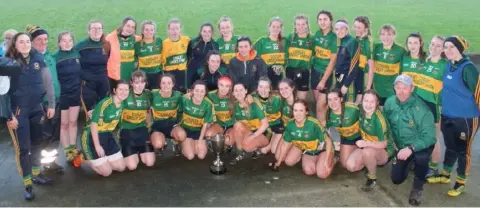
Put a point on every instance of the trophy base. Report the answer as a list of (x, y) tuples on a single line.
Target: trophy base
[(218, 170)]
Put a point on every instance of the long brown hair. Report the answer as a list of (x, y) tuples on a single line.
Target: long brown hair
[(232, 101), (124, 22), (149, 22), (301, 17), (105, 43), (329, 15), (366, 22), (422, 55), (375, 94), (342, 108), (280, 36), (168, 75), (12, 51)]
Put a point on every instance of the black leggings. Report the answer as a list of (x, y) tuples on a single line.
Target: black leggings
[(400, 168)]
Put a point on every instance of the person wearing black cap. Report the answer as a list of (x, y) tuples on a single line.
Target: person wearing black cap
[(459, 124), (51, 128)]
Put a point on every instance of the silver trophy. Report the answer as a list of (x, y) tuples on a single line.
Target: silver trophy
[(217, 146)]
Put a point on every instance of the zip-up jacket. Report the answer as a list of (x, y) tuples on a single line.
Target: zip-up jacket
[(197, 52), (93, 59), (68, 71), (31, 83), (211, 79), (411, 122), (247, 71)]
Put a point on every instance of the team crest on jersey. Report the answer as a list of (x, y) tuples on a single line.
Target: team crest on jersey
[(411, 123), (254, 68), (463, 136), (125, 44), (104, 52), (307, 134), (392, 57), (182, 46), (36, 66), (77, 60)]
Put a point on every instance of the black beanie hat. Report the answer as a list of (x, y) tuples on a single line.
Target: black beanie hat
[(35, 31), (459, 42)]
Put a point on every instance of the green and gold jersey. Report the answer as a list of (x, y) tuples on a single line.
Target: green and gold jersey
[(195, 116), (166, 108), (287, 113), (149, 56), (324, 47), (309, 136), (252, 117), (227, 49), (386, 68), (270, 51), (272, 107), (222, 113), (366, 52), (106, 115), (429, 81), (376, 129), (299, 51), (174, 54), (346, 124), (127, 56), (135, 109)]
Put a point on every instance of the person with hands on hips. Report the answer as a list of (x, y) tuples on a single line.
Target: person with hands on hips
[(413, 130)]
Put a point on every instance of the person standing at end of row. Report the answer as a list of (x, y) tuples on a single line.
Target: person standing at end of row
[(459, 124)]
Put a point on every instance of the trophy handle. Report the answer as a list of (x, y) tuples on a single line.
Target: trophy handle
[(209, 143)]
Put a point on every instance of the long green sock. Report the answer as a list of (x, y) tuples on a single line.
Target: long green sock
[(27, 180), (447, 170), (461, 179), (68, 149), (36, 170)]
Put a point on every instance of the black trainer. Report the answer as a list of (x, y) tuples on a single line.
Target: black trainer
[(369, 185), (176, 150), (28, 193), (53, 167), (41, 179), (415, 197)]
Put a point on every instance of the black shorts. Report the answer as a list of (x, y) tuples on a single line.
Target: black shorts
[(107, 141), (226, 128), (274, 77), (70, 100), (165, 127), (153, 80), (195, 135), (315, 77), (314, 153), (278, 128), (435, 110), (135, 141), (350, 141), (301, 78), (180, 79)]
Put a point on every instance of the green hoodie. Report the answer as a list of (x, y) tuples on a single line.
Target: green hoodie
[(411, 122)]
